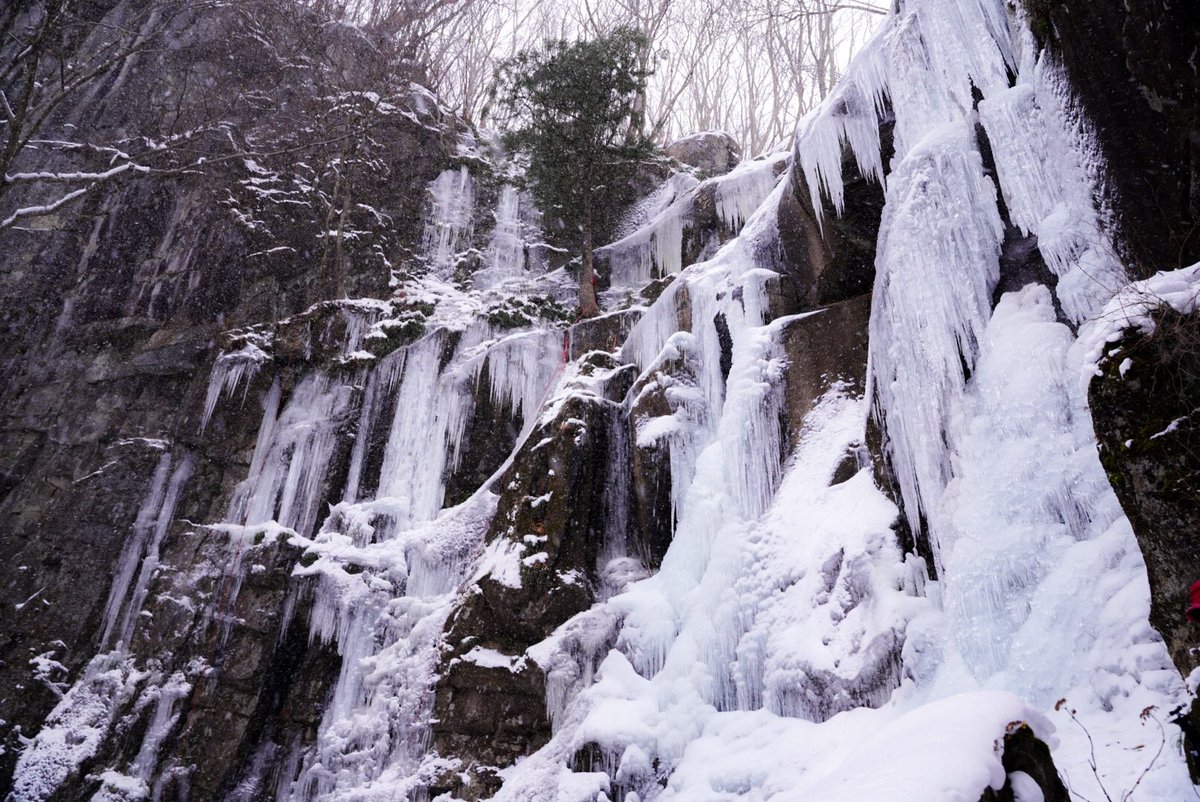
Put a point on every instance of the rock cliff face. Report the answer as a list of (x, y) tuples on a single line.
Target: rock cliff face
[(1143, 405), (303, 511), (113, 314), (1133, 71)]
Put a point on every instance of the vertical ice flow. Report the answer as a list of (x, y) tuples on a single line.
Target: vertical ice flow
[(141, 551), (451, 221)]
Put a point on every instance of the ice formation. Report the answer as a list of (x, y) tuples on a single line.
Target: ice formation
[(655, 249), (743, 190), (653, 234), (233, 368), (979, 407), (515, 254), (786, 648), (451, 218)]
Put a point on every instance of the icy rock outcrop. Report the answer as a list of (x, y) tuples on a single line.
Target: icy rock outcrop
[(831, 257), (685, 221), (550, 550), (1143, 404), (441, 542)]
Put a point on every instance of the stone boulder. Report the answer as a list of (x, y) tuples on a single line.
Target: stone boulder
[(709, 152)]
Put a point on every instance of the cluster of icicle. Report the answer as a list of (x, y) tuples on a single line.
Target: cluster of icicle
[(78, 725), (654, 248), (939, 246), (417, 402), (784, 601)]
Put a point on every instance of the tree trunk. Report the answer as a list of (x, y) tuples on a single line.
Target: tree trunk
[(587, 278)]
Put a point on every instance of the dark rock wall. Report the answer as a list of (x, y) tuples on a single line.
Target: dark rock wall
[(1133, 68), (109, 315), (1150, 445)]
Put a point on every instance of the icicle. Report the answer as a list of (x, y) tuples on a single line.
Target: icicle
[(418, 434), (380, 385), (287, 471), (131, 553), (850, 114), (375, 730), (166, 716), (451, 218), (521, 369), (229, 371), (508, 244), (650, 334), (1040, 154), (742, 191), (937, 264), (142, 549), (652, 251)]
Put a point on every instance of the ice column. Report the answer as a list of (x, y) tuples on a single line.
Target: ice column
[(140, 554), (451, 218)]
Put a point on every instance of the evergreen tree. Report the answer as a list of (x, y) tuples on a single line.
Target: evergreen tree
[(574, 111)]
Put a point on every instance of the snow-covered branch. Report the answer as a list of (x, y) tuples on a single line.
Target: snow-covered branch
[(75, 177), (48, 208)]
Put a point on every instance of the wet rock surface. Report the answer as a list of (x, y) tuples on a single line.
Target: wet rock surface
[(826, 346)]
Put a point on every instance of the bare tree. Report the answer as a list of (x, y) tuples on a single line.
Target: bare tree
[(750, 67), (64, 59), (53, 55)]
